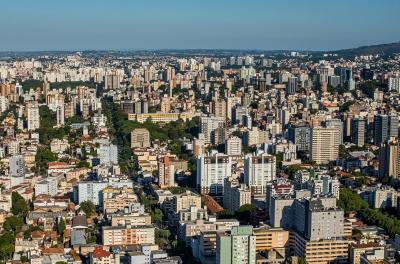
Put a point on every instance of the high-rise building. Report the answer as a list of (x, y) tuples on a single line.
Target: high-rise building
[(237, 246), (212, 170), (300, 135), (235, 194), (389, 159), (166, 172), (233, 146), (259, 170), (33, 116), (346, 74), (218, 108), (337, 123), (358, 131), (394, 84), (324, 144), (209, 124), (386, 126), (140, 138), (292, 85)]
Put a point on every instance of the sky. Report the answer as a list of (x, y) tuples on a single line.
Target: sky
[(39, 25)]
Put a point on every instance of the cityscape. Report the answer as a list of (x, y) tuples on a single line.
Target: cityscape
[(263, 148)]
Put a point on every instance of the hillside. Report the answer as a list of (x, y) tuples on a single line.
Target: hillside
[(383, 49)]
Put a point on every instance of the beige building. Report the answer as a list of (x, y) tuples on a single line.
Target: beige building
[(140, 138), (320, 251), (131, 219), (268, 238), (116, 199), (123, 236), (324, 144), (166, 172), (366, 253)]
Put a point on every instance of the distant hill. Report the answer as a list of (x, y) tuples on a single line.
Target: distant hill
[(382, 49)]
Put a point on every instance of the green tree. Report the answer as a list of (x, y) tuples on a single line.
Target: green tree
[(245, 211), (61, 227), (13, 223), (88, 208), (19, 205), (157, 216)]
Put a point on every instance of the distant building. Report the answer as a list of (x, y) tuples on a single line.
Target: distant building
[(259, 170), (140, 138)]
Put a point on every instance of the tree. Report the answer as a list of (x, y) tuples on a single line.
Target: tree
[(88, 208), (19, 205), (61, 227), (157, 216), (244, 212), (13, 223)]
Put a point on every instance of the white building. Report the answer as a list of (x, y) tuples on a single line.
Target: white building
[(259, 170), (233, 146), (212, 169), (47, 186), (33, 117)]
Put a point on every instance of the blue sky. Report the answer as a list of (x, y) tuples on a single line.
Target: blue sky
[(27, 25)]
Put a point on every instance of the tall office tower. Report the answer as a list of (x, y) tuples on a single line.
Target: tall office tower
[(237, 246), (394, 84), (291, 86), (235, 194), (233, 146), (140, 138), (367, 74), (324, 144), (209, 124), (346, 74), (218, 108), (259, 170), (166, 172), (300, 136), (33, 116), (389, 159), (212, 170), (386, 126), (60, 115), (358, 131), (336, 123)]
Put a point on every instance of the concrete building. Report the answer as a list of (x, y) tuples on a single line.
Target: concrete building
[(47, 186), (385, 127), (140, 138), (268, 238), (300, 135), (237, 246), (259, 170), (208, 125), (358, 131), (233, 146), (235, 194), (324, 144), (130, 235), (166, 172), (212, 169), (32, 116), (389, 159)]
